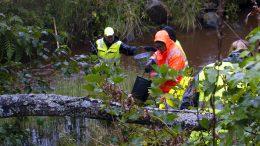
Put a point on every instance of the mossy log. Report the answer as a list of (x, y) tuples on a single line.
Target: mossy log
[(57, 105)]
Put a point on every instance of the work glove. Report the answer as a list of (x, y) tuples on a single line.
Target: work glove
[(148, 66)]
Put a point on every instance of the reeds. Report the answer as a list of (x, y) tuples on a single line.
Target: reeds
[(70, 86), (185, 13)]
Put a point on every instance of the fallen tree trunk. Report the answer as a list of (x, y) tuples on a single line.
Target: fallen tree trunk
[(58, 105)]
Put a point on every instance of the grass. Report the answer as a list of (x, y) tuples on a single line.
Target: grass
[(128, 83), (70, 86)]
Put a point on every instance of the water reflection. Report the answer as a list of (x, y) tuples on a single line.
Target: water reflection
[(53, 131)]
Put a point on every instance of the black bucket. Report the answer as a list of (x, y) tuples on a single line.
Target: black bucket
[(140, 89)]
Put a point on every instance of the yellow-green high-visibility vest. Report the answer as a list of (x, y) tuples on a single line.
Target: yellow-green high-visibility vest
[(108, 55), (178, 44)]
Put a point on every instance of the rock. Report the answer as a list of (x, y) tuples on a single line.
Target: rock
[(157, 12), (210, 20)]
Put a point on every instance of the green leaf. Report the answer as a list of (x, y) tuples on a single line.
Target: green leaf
[(173, 73), (239, 114), (117, 79), (149, 102), (253, 32), (257, 66), (93, 78), (16, 19), (207, 86), (204, 123), (211, 75), (9, 49), (171, 117), (155, 91), (255, 38), (244, 54), (235, 79), (158, 81), (88, 87), (158, 113), (163, 70), (133, 116), (247, 62)]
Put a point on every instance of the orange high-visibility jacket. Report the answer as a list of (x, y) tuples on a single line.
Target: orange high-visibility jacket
[(172, 57)]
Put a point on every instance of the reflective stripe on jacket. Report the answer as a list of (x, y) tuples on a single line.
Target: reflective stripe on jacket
[(109, 55)]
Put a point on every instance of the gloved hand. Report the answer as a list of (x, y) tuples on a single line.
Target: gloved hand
[(149, 48), (148, 66)]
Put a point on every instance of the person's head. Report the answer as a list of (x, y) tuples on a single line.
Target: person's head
[(162, 41), (109, 34), (239, 46), (235, 50), (171, 32)]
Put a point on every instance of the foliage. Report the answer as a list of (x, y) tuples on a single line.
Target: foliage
[(26, 9), (20, 42), (16, 79), (83, 18), (185, 13), (232, 9), (12, 134), (103, 80), (86, 19), (239, 120), (163, 74)]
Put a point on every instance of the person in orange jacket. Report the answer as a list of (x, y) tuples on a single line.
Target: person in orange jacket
[(169, 54)]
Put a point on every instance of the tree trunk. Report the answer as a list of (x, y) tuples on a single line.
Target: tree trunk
[(58, 105)]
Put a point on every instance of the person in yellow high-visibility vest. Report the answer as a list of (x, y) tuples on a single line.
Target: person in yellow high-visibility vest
[(196, 97), (109, 48)]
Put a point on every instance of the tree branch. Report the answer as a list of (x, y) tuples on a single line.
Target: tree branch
[(57, 105)]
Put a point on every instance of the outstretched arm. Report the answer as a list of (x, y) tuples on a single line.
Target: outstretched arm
[(128, 50), (149, 48)]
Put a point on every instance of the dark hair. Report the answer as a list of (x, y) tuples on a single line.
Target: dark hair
[(171, 32)]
